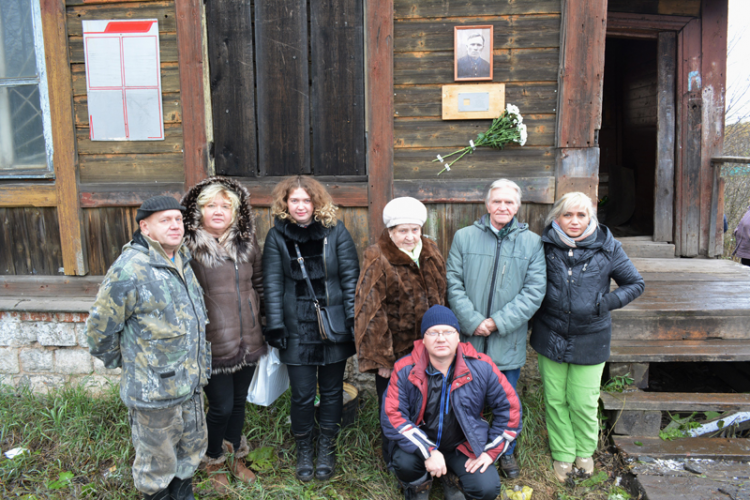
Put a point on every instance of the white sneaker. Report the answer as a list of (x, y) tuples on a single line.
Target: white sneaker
[(562, 469), (585, 464)]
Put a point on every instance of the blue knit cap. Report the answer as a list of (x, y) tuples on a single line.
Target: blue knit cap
[(439, 315)]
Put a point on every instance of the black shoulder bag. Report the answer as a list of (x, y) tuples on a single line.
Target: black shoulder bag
[(331, 319)]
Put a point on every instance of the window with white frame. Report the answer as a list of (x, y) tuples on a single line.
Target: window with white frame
[(25, 127)]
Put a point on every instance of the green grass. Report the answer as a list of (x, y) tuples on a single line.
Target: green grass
[(79, 447)]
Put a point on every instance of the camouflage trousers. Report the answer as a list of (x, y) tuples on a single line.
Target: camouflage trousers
[(168, 442)]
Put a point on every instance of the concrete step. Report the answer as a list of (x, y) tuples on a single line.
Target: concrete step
[(643, 247)]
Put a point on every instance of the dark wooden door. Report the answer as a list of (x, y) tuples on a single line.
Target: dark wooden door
[(287, 87)]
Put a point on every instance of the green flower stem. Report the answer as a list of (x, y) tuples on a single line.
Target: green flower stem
[(504, 129)]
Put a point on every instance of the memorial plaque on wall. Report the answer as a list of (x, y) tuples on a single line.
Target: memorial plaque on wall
[(123, 80)]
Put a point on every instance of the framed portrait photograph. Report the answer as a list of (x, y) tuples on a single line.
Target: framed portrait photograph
[(472, 53)]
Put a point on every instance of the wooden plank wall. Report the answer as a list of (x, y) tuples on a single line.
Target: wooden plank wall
[(444, 219), (355, 220), (30, 242), (111, 228), (106, 166), (147, 162), (526, 56)]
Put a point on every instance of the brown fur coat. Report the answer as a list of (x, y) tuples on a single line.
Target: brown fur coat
[(392, 296)]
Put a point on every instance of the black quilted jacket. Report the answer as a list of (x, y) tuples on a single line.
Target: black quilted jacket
[(574, 325)]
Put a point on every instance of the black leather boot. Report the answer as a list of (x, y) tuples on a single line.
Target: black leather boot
[(181, 489), (326, 454), (159, 495), (304, 457), (419, 489)]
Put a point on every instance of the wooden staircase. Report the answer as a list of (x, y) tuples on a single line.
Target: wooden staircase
[(692, 310), (645, 247)]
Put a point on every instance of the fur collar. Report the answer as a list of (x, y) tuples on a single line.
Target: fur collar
[(238, 246), (396, 257), (315, 231)]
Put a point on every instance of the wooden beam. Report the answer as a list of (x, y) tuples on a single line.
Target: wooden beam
[(379, 57), (688, 157), (190, 55), (674, 401), (98, 195), (731, 159), (533, 190), (736, 449), (344, 194), (665, 131), (713, 68), (28, 195), (59, 85), (579, 108), (49, 286), (577, 169), (582, 40), (624, 22)]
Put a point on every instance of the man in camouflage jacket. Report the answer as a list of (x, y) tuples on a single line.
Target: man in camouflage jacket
[(149, 319)]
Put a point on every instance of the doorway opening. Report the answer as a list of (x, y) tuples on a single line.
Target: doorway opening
[(628, 137)]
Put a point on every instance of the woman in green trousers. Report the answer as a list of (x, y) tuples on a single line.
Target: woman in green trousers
[(572, 329)]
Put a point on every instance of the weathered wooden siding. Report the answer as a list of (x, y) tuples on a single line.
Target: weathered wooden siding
[(30, 241), (526, 52), (111, 165), (110, 228), (444, 219), (143, 161)]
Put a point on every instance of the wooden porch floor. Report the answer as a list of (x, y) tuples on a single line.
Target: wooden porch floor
[(691, 310)]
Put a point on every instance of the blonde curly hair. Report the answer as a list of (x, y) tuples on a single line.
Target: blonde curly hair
[(324, 211)]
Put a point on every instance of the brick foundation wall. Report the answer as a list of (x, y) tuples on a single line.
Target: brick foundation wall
[(45, 350)]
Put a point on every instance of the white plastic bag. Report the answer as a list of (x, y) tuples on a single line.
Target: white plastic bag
[(270, 379)]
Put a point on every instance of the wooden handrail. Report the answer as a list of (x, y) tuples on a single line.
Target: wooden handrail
[(717, 162), (720, 160)]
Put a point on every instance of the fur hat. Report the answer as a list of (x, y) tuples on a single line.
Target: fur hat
[(405, 210), (439, 315)]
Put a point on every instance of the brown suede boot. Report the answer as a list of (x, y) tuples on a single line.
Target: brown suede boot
[(236, 461), (216, 474)]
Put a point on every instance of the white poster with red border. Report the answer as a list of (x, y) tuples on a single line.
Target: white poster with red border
[(123, 80)]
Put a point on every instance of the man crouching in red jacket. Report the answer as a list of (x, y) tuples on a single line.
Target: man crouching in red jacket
[(433, 409)]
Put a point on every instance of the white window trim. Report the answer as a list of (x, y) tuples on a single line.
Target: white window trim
[(41, 82)]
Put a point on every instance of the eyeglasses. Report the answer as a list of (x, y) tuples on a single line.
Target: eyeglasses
[(446, 333)]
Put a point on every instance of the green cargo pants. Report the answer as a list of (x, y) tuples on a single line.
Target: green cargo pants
[(571, 398), (168, 443)]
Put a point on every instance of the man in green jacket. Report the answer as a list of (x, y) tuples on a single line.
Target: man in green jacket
[(497, 278), (149, 319)]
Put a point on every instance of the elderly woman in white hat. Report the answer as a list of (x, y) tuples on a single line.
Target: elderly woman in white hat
[(403, 275)]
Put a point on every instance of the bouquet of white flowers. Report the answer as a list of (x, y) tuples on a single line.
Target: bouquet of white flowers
[(508, 127)]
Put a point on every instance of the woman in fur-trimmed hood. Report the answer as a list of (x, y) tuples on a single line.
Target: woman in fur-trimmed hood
[(220, 233)]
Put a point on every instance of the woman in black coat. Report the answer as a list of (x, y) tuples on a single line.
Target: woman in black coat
[(572, 329), (305, 216)]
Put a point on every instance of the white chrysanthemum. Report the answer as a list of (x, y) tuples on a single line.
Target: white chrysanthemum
[(512, 110), (524, 134)]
